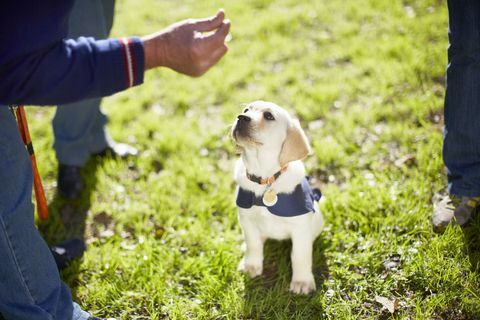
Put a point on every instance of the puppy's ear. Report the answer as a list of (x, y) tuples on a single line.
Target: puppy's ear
[(295, 146)]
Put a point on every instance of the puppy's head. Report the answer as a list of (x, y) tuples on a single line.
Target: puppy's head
[(269, 128)]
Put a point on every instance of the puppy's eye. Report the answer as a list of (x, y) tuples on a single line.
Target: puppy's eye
[(268, 116), (246, 110)]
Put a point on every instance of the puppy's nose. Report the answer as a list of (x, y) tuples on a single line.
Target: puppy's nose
[(244, 118)]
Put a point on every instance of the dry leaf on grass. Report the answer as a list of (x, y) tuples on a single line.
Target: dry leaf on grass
[(407, 160), (390, 305)]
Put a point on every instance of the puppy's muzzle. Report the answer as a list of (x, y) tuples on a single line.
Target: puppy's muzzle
[(242, 126)]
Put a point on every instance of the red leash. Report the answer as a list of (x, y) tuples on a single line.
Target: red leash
[(42, 208)]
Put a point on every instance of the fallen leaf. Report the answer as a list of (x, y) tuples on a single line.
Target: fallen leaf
[(407, 160), (390, 305)]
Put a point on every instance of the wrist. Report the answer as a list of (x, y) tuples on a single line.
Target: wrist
[(154, 51)]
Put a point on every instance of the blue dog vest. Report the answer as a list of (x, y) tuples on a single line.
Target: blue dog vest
[(299, 202)]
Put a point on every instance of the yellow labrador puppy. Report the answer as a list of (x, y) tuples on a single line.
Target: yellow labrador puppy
[(274, 197)]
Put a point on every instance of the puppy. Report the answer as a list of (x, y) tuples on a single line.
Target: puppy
[(274, 197)]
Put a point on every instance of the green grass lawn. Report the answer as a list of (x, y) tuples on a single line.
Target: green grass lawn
[(366, 79)]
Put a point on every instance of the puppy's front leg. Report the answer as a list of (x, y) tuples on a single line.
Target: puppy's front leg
[(252, 262), (302, 279)]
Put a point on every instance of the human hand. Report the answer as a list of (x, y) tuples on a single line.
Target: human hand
[(190, 47)]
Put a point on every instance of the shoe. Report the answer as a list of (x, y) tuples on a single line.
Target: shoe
[(116, 149), (96, 318), (66, 251), (69, 182), (454, 209)]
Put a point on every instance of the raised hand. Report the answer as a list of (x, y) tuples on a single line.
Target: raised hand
[(190, 47)]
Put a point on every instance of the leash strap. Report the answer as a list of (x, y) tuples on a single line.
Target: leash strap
[(42, 208)]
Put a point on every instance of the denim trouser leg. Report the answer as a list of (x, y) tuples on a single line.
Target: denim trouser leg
[(461, 147), (30, 285), (79, 128)]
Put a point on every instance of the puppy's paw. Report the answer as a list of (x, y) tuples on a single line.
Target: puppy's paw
[(252, 269), (303, 286)]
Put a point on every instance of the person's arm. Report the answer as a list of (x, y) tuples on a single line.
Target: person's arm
[(72, 70)]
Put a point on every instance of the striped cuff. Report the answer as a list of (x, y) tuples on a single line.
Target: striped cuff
[(133, 60), (118, 64)]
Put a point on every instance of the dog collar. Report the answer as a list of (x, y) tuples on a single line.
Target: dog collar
[(269, 180)]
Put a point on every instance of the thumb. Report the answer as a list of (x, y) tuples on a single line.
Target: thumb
[(212, 23)]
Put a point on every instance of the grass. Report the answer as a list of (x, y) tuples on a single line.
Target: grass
[(366, 80)]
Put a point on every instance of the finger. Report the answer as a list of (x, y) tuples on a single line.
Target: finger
[(212, 23), (213, 58), (220, 35), (218, 54)]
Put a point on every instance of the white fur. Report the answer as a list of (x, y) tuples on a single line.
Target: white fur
[(257, 223)]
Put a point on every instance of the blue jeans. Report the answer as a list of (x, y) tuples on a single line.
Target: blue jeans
[(30, 285), (79, 128), (461, 145)]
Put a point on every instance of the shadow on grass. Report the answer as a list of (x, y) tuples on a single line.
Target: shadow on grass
[(268, 296), (471, 310), (472, 242), (67, 219)]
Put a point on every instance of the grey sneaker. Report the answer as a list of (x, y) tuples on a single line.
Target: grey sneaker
[(457, 210)]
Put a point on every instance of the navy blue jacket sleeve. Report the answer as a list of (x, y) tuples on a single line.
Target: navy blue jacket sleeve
[(72, 70)]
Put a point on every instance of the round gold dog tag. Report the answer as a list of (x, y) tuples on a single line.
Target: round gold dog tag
[(270, 198)]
